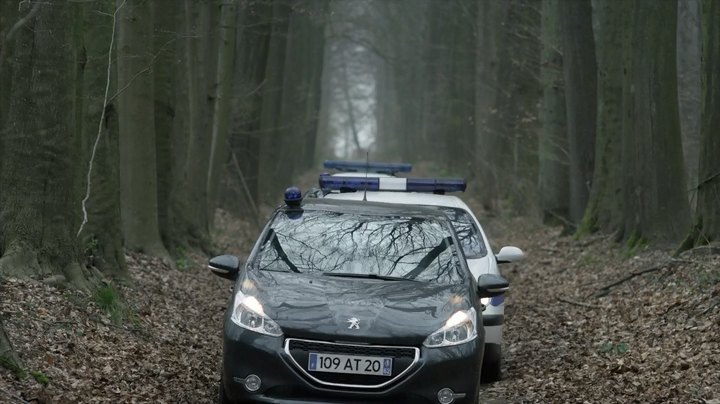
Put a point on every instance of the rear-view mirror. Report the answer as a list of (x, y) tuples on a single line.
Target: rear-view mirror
[(509, 254), (225, 266), (490, 285)]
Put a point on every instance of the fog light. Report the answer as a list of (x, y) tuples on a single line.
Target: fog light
[(446, 396), (252, 383)]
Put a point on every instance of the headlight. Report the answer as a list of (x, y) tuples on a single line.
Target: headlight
[(485, 301), (248, 313), (460, 328)]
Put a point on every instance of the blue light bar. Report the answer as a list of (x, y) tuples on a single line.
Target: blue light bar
[(371, 167), (349, 184)]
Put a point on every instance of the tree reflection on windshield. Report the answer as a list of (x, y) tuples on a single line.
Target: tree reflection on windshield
[(331, 242)]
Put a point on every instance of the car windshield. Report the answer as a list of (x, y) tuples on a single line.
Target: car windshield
[(362, 245), (467, 231)]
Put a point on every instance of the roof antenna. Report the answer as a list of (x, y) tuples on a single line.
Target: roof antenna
[(367, 168)]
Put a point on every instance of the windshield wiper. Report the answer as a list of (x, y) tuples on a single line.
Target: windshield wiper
[(368, 276)]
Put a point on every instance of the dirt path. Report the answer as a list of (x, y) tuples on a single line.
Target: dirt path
[(157, 338), (654, 338)]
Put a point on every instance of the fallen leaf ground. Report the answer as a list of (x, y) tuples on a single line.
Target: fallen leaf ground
[(155, 337)]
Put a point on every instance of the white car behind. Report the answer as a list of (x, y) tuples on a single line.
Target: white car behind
[(475, 244)]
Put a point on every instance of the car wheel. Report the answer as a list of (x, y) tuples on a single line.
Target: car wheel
[(222, 398), (491, 363)]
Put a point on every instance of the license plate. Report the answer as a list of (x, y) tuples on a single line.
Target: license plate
[(359, 365)]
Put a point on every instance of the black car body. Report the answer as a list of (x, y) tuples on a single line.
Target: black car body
[(347, 302)]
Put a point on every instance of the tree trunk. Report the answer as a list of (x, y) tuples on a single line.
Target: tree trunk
[(8, 19), (515, 146), (491, 16), (655, 203), (270, 165), (707, 220), (604, 210), (37, 164), (461, 139), (303, 68), (552, 144), (249, 83), (189, 199), (223, 101), (138, 170), (580, 73), (164, 70), (102, 234), (8, 357), (689, 53)]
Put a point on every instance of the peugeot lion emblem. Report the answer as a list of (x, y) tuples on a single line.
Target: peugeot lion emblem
[(354, 323)]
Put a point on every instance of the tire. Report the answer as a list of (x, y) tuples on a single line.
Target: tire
[(222, 398), (491, 363)]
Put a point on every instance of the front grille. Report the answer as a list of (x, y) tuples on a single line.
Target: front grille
[(403, 359), (362, 350)]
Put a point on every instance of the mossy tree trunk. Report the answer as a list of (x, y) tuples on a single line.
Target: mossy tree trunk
[(552, 142), (579, 68), (102, 236), (38, 204), (138, 170), (8, 357), (655, 203), (604, 211), (707, 221)]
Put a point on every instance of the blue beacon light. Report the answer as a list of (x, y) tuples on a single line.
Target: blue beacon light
[(293, 196)]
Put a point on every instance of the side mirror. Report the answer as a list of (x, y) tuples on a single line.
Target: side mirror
[(490, 285), (225, 266), (509, 254)]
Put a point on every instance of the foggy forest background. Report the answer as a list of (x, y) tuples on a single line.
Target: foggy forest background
[(126, 123)]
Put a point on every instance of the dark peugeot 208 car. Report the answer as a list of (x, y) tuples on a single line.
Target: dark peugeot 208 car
[(344, 301)]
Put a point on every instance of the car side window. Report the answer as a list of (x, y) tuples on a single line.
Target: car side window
[(468, 234)]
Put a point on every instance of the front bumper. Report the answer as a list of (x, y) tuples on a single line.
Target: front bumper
[(246, 352)]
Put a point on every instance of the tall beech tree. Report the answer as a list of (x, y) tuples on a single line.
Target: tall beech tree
[(37, 165), (491, 20), (270, 166), (102, 236), (164, 75), (655, 205), (707, 218), (579, 68), (611, 20), (222, 101), (138, 169), (552, 140)]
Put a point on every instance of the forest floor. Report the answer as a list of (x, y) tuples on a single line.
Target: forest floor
[(157, 336)]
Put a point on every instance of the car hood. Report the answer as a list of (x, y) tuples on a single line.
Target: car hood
[(320, 307)]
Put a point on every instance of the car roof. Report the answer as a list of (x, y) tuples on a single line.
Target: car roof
[(405, 198), (369, 207)]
